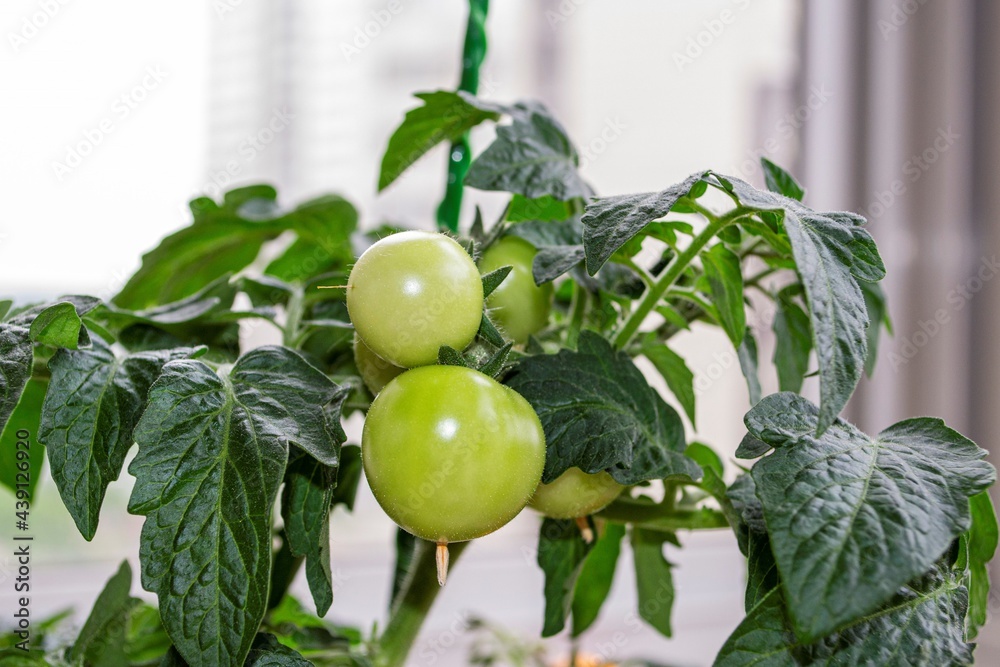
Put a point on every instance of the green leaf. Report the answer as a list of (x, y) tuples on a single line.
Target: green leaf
[(611, 222), (444, 116), (553, 261), (93, 403), (348, 477), (545, 208), (532, 157), (145, 638), (406, 544), (324, 227), (489, 332), (780, 181), (58, 326), (599, 413), (793, 342), (265, 290), (706, 457), (747, 353), (268, 652), (5, 306), (921, 625), (653, 579), (492, 280), (561, 554), (540, 234), (878, 315), (16, 357), (982, 547), (24, 419), (852, 518), (305, 508), (102, 639), (212, 453), (596, 577), (679, 378), (725, 280)]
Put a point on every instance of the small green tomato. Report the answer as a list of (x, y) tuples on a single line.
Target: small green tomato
[(575, 494), (450, 453), (518, 305), (413, 292), (375, 371)]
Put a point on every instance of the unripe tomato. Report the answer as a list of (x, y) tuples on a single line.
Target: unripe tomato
[(413, 292), (518, 306), (375, 371), (450, 453), (576, 493)]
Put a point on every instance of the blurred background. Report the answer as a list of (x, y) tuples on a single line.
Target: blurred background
[(119, 112)]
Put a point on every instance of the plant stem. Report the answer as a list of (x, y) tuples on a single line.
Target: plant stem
[(673, 272), (413, 604), (293, 316), (577, 310), (460, 155)]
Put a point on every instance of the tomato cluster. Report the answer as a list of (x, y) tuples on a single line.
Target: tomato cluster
[(450, 453)]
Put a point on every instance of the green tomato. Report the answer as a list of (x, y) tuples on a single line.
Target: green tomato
[(375, 371), (450, 453), (518, 306), (413, 292), (576, 493)]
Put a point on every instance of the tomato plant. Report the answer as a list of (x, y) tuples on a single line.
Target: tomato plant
[(859, 549)]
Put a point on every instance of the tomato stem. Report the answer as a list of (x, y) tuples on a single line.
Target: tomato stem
[(441, 560), (586, 532)]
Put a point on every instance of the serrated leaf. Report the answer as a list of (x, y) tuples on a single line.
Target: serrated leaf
[(532, 157), (58, 325), (679, 378), (725, 280), (747, 354), (653, 579), (599, 413), (983, 536), (492, 280), (853, 518), (611, 222), (545, 208), (267, 651), (305, 508), (561, 554), (780, 181), (540, 234), (93, 403), (212, 453), (24, 419), (324, 227), (553, 261), (594, 583), (444, 116), (16, 357), (793, 342), (921, 625), (102, 639)]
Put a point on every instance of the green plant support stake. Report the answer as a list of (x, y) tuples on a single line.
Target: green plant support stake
[(459, 155)]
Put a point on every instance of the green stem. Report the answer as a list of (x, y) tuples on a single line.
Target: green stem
[(673, 272), (460, 155), (416, 596), (577, 310), (293, 317)]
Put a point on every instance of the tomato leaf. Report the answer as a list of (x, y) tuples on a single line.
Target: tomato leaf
[(679, 378), (725, 280), (268, 652), (212, 453), (92, 406), (982, 536), (59, 325), (561, 554), (747, 354), (611, 222), (599, 413), (793, 342), (444, 116), (553, 261), (545, 208), (16, 358), (102, 639), (923, 618), (853, 518), (25, 417), (324, 227), (654, 579), (594, 583), (532, 157), (780, 181), (878, 315)]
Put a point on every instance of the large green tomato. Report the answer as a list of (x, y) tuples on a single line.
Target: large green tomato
[(576, 493), (518, 305), (413, 292), (450, 453), (375, 371)]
